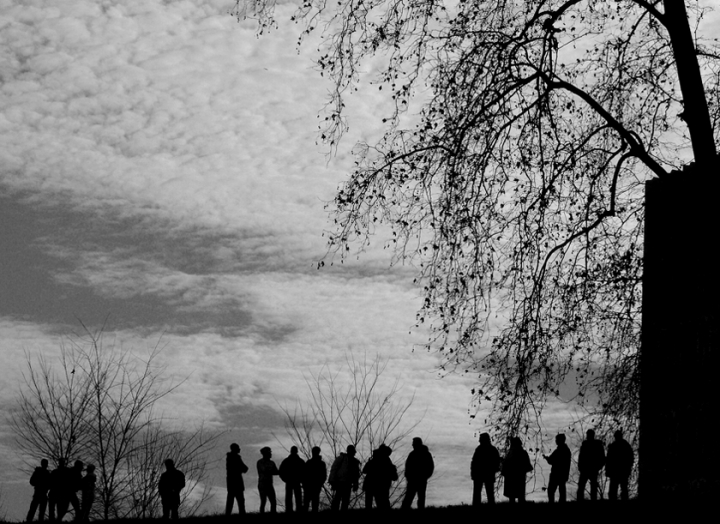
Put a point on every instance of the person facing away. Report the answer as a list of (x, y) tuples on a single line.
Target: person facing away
[(291, 473), (76, 477), (419, 467), (484, 466), (40, 481), (379, 473), (620, 460), (266, 468), (314, 476), (234, 470), (559, 461), (515, 468), (58, 496), (590, 462), (172, 481), (87, 490), (344, 477)]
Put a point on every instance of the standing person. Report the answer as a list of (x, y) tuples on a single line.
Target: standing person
[(515, 468), (40, 481), (483, 468), (590, 462), (291, 472), (419, 467), (87, 489), (234, 470), (314, 476), (58, 498), (266, 468), (344, 476), (76, 477), (620, 460), (559, 461), (172, 481), (380, 473)]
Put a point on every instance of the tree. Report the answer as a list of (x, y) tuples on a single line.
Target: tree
[(519, 192), (351, 405), (97, 405)]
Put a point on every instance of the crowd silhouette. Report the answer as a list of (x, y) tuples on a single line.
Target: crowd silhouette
[(57, 490)]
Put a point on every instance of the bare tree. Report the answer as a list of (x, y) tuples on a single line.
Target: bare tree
[(97, 405), (518, 191), (352, 405)]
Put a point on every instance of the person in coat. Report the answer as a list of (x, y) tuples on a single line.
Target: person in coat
[(172, 481), (234, 470), (76, 477), (87, 492), (515, 468), (344, 477), (484, 467), (419, 467), (590, 462), (559, 461), (379, 473), (40, 481), (620, 460), (314, 477), (291, 473), (266, 469), (58, 496)]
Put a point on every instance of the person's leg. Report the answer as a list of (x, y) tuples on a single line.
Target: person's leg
[(337, 495), (612, 493), (624, 488), (477, 493), (42, 506), (593, 486), (346, 497), (263, 498), (288, 498), (273, 499), (421, 490), (552, 487), (368, 499), (410, 492), (563, 491), (582, 482), (298, 497), (33, 508), (229, 500)]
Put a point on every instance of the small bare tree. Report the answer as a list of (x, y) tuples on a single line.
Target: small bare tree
[(97, 405), (352, 405)]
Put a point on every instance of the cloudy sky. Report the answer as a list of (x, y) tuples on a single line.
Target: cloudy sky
[(158, 164)]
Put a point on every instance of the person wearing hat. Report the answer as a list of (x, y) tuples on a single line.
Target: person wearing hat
[(419, 467), (234, 468)]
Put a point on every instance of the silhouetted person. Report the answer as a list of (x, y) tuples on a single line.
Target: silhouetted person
[(419, 467), (344, 477), (483, 468), (266, 468), (590, 462), (76, 484), (40, 481), (172, 481), (234, 470), (314, 476), (559, 461), (58, 497), (620, 459), (291, 473), (379, 473), (87, 490), (515, 468)]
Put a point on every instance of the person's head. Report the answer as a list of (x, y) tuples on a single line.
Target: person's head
[(169, 464), (79, 464), (417, 442), (618, 434), (90, 468), (351, 450), (316, 451), (266, 452), (234, 448), (385, 450), (294, 450), (516, 442), (590, 434), (559, 439), (485, 439), (44, 463)]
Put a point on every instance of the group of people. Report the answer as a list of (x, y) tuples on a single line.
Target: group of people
[(57, 490), (618, 464), (304, 480)]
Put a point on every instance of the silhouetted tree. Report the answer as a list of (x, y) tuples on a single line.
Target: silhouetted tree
[(517, 188)]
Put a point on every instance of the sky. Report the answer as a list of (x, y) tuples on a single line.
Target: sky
[(159, 167)]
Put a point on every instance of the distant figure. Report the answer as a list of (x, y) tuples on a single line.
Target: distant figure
[(483, 468), (620, 459), (58, 497), (40, 481), (559, 461), (266, 468), (76, 477), (87, 490), (172, 481), (344, 476), (419, 467), (291, 473), (234, 470), (515, 468), (379, 473), (314, 476), (590, 462)]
